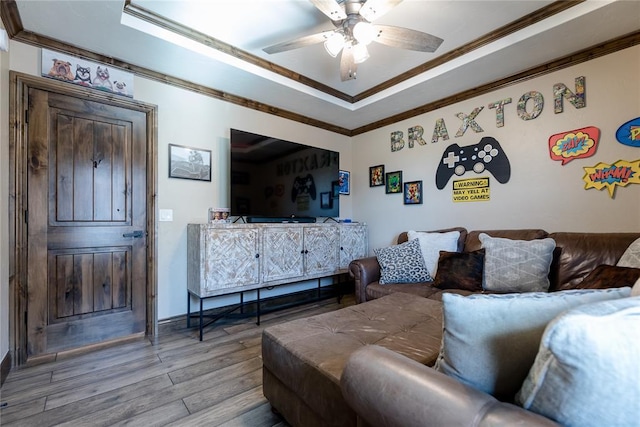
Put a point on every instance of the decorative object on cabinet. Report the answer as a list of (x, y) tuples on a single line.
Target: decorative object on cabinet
[(376, 176), (234, 258), (189, 163), (219, 215), (344, 181), (393, 182), (413, 193)]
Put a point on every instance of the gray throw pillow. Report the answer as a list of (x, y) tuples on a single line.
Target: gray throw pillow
[(516, 265), (631, 257), (587, 370), (402, 263), (489, 342)]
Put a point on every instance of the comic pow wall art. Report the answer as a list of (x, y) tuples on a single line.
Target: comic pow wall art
[(629, 133), (575, 144), (78, 71), (610, 176)]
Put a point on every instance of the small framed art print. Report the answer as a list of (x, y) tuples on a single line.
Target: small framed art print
[(189, 163), (344, 182), (393, 182), (413, 193), (376, 176)]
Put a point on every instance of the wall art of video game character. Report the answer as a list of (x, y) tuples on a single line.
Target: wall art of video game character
[(85, 73), (486, 155)]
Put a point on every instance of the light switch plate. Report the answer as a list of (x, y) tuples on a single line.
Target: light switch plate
[(166, 215)]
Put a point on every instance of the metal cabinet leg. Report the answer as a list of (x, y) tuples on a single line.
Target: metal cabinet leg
[(188, 309), (200, 319), (258, 308)]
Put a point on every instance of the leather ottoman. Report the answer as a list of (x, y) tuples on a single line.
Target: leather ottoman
[(304, 359)]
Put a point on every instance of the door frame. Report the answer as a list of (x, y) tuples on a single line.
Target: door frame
[(20, 84)]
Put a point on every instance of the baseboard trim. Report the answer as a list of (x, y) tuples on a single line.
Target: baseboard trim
[(5, 367)]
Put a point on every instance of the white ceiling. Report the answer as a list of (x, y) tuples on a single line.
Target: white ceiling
[(100, 26)]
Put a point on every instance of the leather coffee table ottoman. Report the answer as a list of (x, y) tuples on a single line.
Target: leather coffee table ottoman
[(304, 359)]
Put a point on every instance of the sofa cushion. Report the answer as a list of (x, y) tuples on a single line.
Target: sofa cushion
[(460, 270), (631, 257), (404, 236), (490, 341), (402, 263), (516, 265), (308, 355), (423, 289), (586, 372), (432, 243), (610, 276), (635, 290), (581, 252), (473, 237)]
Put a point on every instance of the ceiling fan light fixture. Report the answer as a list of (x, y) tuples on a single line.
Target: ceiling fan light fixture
[(334, 44), (360, 53), (364, 32)]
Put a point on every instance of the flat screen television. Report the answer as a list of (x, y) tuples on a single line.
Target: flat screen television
[(273, 180)]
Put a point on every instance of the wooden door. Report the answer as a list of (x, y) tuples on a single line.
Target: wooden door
[(86, 222)]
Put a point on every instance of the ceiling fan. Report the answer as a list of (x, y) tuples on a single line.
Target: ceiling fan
[(354, 31)]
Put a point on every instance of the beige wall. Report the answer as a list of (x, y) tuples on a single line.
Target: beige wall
[(187, 118), (540, 193)]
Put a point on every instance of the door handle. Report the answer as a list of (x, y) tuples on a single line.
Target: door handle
[(136, 234)]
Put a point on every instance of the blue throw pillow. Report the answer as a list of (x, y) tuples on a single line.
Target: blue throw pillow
[(490, 342), (402, 263), (587, 372)]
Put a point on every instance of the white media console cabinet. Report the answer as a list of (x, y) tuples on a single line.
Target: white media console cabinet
[(229, 258)]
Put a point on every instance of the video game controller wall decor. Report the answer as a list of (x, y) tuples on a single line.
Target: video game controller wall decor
[(485, 155)]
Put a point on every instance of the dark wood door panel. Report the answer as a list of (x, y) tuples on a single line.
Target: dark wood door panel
[(88, 275), (89, 172), (88, 282)]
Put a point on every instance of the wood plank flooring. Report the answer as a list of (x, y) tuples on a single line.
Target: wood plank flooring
[(172, 380)]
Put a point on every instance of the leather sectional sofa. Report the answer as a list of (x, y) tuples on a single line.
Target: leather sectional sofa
[(303, 360)]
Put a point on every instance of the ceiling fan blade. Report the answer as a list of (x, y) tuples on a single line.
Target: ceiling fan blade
[(374, 9), (331, 8), (299, 42), (348, 66), (406, 38)]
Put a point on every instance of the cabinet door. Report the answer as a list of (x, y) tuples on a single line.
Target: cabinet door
[(321, 249), (232, 259), (283, 257), (353, 243)]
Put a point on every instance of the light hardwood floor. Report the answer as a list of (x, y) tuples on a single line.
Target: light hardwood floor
[(173, 380)]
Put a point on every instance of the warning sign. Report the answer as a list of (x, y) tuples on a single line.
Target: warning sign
[(471, 190)]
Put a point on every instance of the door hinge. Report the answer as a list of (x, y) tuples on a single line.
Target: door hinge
[(26, 116), (26, 217)]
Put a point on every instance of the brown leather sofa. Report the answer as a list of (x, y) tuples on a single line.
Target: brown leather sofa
[(304, 360)]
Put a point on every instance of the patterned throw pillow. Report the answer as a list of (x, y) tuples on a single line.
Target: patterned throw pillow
[(631, 257), (516, 265), (460, 270), (402, 263)]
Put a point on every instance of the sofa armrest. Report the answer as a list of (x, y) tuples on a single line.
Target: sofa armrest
[(388, 389), (364, 271)]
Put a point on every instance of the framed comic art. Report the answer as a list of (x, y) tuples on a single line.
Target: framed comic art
[(413, 193), (344, 182), (393, 182), (376, 176)]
